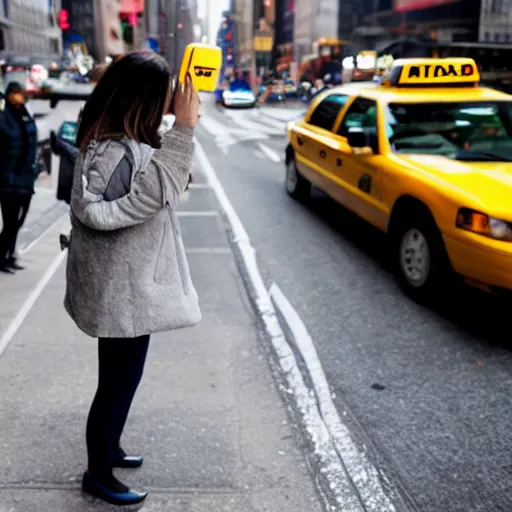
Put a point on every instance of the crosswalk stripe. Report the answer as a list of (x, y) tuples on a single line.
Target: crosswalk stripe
[(270, 153)]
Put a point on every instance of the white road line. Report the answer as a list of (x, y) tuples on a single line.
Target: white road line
[(208, 250), (199, 186), (255, 126), (211, 213), (360, 469), (270, 153), (270, 121), (340, 484), (16, 323)]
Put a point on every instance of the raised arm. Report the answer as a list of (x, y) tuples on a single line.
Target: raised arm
[(160, 184)]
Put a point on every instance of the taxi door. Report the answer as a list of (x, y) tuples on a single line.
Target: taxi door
[(313, 138), (358, 171)]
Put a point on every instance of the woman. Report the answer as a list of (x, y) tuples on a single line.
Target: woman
[(18, 171), (127, 273)]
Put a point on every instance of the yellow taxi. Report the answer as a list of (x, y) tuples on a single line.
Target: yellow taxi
[(426, 157)]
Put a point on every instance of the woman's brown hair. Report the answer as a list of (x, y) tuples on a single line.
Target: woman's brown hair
[(129, 101)]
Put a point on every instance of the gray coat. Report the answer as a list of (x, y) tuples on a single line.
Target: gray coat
[(127, 272)]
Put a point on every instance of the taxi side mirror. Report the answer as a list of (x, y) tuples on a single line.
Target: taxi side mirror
[(357, 138), (362, 142)]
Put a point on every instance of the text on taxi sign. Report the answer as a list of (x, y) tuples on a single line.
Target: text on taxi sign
[(439, 73)]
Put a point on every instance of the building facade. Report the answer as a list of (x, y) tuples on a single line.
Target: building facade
[(242, 13), (313, 20), (29, 32), (284, 28), (495, 22), (442, 21)]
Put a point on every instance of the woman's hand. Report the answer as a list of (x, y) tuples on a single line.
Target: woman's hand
[(186, 104)]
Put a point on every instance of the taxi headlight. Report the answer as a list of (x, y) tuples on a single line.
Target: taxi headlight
[(482, 224)]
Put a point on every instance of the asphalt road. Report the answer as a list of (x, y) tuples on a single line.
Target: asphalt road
[(427, 391)]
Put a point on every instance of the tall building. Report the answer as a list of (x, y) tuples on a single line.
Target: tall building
[(313, 20), (264, 18), (29, 32), (442, 21), (96, 24), (242, 12), (496, 21), (226, 42), (283, 39)]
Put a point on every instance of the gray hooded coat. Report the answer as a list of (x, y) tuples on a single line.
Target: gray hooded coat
[(127, 272)]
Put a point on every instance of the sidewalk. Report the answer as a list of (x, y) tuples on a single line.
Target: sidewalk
[(208, 417)]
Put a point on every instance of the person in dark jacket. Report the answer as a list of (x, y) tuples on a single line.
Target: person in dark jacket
[(18, 171)]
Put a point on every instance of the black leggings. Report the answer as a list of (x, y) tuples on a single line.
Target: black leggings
[(14, 212), (121, 364)]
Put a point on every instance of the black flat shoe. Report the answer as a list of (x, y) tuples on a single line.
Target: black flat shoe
[(98, 490), (128, 462), (6, 270)]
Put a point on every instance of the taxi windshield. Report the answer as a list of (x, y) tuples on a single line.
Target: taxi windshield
[(470, 131)]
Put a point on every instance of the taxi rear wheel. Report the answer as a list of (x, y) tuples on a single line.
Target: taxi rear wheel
[(297, 186), (420, 261)]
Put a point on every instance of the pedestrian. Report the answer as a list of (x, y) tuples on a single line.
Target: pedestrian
[(127, 272), (18, 171)]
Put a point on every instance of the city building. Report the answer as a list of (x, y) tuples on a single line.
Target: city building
[(264, 18), (496, 21), (226, 43), (352, 31), (442, 21), (283, 39), (29, 32), (242, 14), (95, 24), (313, 20)]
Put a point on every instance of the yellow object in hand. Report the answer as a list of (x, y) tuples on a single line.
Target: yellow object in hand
[(203, 62)]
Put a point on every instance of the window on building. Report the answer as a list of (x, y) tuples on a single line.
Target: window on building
[(496, 6), (497, 37), (487, 36), (326, 113)]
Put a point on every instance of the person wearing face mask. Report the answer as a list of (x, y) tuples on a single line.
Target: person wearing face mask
[(18, 171)]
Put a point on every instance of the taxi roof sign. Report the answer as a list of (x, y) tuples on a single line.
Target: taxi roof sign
[(434, 72)]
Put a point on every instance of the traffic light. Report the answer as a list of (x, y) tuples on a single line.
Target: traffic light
[(64, 19)]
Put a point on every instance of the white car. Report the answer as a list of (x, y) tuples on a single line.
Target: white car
[(239, 98)]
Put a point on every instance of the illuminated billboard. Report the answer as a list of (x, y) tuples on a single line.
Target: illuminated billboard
[(417, 5)]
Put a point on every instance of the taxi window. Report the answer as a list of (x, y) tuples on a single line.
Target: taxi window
[(327, 111), (361, 114), (475, 131)]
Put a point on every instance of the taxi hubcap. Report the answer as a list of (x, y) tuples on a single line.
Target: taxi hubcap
[(415, 258), (291, 176)]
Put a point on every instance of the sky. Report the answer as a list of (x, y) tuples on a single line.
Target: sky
[(216, 8)]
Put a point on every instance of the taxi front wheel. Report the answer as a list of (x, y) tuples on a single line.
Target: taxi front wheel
[(297, 186), (420, 260)]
